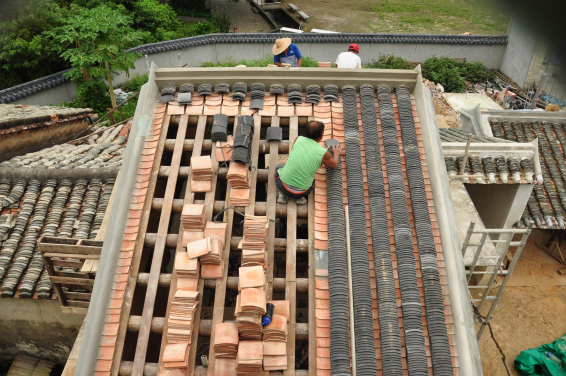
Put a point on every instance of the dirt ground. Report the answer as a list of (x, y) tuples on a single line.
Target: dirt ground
[(531, 310)]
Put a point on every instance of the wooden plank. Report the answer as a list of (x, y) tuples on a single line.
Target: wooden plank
[(138, 248), (250, 209), (102, 230), (220, 288), (95, 266), (71, 281), (60, 273), (75, 256), (78, 295), (271, 208), (69, 249), (188, 199), (87, 266), (291, 275), (312, 297), (56, 286), (157, 260), (67, 264)]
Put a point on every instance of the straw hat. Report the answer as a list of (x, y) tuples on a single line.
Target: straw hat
[(281, 45)]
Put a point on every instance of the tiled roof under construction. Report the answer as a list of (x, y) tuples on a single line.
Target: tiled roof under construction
[(547, 204), (333, 116), (334, 120), (30, 208)]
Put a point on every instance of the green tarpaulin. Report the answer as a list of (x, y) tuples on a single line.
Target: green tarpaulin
[(535, 361)]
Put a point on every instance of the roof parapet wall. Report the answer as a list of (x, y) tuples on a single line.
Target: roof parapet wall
[(33, 87)]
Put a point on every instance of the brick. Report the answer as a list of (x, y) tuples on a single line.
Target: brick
[(124, 262), (112, 318), (108, 341), (110, 329), (121, 278), (118, 286), (116, 303), (104, 365)]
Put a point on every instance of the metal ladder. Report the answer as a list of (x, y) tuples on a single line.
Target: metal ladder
[(502, 245)]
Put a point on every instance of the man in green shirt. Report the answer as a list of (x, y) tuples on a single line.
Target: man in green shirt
[(295, 178)]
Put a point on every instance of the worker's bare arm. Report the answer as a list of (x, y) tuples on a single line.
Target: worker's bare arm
[(299, 62), (332, 161), (278, 64)]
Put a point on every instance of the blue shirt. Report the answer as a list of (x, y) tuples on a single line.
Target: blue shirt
[(292, 57)]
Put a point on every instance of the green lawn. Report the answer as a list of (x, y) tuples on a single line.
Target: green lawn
[(479, 16), (406, 16)]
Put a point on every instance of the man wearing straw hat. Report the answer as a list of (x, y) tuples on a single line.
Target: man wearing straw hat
[(285, 52)]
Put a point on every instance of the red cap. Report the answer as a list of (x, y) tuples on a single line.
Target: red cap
[(354, 47)]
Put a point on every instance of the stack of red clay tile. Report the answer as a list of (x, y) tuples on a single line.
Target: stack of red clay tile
[(275, 344), (181, 315), (209, 252), (250, 357), (226, 340), (201, 174), (324, 65), (185, 266), (254, 242), (240, 186), (250, 307), (193, 217), (176, 358)]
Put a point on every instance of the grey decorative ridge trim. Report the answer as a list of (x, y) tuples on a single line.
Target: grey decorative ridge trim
[(21, 91)]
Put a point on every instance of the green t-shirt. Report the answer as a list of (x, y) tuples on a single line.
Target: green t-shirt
[(304, 159)]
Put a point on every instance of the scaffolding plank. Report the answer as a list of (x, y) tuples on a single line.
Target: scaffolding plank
[(136, 259), (291, 275), (220, 288), (271, 208), (151, 293)]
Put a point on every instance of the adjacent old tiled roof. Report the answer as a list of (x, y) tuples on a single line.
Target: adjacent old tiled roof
[(30, 208), (11, 115), (497, 168), (547, 203), (101, 150), (459, 135), (36, 86)]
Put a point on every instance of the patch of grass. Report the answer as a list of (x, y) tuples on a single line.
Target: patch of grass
[(455, 14)]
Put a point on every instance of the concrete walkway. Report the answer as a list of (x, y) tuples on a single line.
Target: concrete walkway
[(242, 17)]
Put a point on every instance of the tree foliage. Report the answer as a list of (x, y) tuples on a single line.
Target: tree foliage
[(26, 52), (92, 37)]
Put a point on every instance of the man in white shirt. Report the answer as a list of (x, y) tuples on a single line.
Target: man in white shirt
[(349, 59)]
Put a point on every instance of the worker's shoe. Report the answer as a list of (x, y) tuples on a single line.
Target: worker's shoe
[(301, 201), (281, 199)]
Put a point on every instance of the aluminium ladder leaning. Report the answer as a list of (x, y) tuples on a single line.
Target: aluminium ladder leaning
[(503, 242)]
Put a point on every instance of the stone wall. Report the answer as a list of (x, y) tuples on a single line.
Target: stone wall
[(38, 328)]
